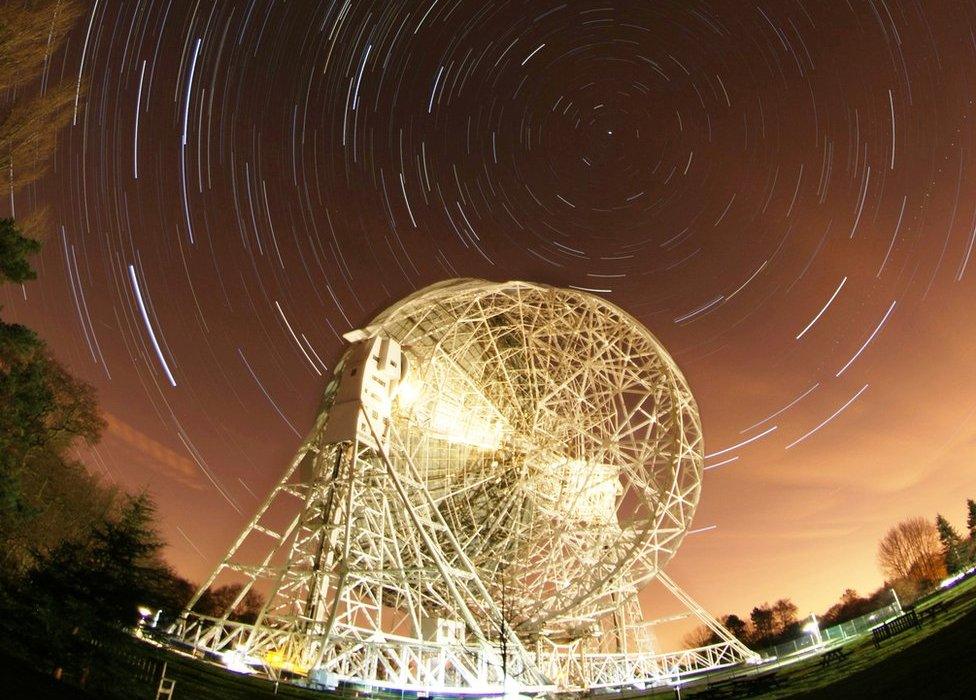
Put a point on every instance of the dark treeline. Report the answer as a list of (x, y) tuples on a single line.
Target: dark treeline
[(914, 556), (78, 557)]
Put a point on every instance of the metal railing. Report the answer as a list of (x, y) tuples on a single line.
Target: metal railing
[(835, 634)]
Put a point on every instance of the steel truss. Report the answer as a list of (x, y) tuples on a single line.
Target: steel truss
[(363, 574), (384, 548), (327, 609), (580, 665)]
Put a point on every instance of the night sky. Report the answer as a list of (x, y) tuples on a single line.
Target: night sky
[(783, 192)]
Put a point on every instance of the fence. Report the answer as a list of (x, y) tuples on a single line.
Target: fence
[(835, 634), (859, 625)]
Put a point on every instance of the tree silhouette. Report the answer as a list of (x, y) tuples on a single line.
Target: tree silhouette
[(14, 251), (30, 32), (79, 596), (912, 550), (216, 601), (971, 517), (46, 413), (76, 558), (852, 605), (951, 544), (762, 619), (112, 572), (785, 623), (703, 636), (699, 637), (737, 626)]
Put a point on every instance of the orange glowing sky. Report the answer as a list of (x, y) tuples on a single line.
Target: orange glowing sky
[(277, 176)]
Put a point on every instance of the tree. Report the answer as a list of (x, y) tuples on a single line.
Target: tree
[(908, 590), (170, 595), (14, 250), (112, 572), (852, 605), (952, 553), (701, 636), (46, 407), (77, 597), (762, 624), (737, 626), (60, 500), (47, 412), (215, 602), (30, 32), (785, 623), (912, 550), (971, 518)]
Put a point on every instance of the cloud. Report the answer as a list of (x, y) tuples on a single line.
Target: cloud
[(159, 457)]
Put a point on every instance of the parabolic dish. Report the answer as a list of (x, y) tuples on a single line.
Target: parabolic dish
[(556, 435)]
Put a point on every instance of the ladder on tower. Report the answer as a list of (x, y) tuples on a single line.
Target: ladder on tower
[(166, 687)]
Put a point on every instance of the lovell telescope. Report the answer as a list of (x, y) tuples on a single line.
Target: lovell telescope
[(496, 472)]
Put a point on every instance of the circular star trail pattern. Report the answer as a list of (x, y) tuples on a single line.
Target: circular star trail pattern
[(780, 191)]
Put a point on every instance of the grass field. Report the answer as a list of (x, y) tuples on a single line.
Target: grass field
[(937, 660)]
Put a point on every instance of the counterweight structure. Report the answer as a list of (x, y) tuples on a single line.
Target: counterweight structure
[(497, 470)]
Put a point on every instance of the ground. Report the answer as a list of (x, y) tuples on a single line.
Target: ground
[(21, 682), (937, 660), (943, 665)]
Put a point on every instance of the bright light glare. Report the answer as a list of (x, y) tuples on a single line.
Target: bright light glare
[(408, 392), (237, 661), (955, 578)]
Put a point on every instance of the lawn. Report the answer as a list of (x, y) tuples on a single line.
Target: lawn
[(937, 660), (940, 665)]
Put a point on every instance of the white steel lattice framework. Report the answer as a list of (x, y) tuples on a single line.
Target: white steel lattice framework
[(497, 470)]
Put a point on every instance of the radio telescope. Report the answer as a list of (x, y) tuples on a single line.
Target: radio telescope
[(496, 471)]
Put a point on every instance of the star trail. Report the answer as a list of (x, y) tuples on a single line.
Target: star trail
[(781, 191)]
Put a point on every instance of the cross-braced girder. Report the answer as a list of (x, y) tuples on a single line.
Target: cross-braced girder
[(498, 439)]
